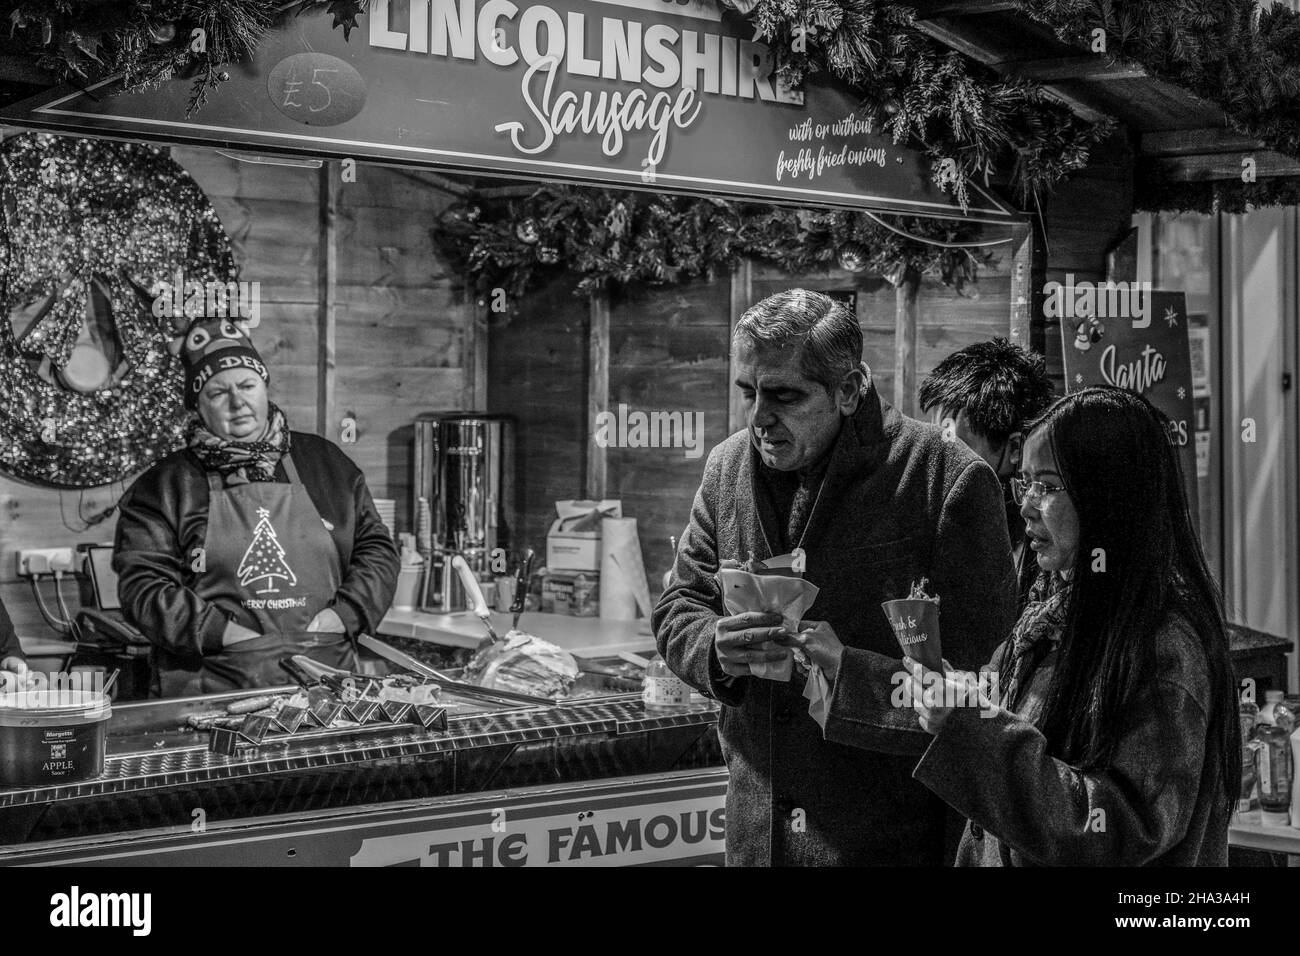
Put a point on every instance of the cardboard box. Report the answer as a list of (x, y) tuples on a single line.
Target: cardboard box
[(576, 593), (573, 550), (573, 541)]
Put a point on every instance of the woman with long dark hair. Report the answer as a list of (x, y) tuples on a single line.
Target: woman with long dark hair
[(1112, 736)]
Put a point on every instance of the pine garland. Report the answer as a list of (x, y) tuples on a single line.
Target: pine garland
[(623, 238), (960, 112), (1235, 53)]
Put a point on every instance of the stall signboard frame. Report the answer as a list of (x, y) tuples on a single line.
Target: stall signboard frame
[(673, 819), (664, 95)]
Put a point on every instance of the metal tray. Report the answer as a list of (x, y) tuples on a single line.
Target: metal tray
[(145, 726)]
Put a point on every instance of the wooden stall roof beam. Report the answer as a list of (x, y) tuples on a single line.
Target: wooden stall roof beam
[(597, 389), (950, 34), (929, 9), (1226, 166), (1092, 69), (1197, 142)]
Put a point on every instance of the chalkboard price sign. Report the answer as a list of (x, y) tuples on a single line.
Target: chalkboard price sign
[(316, 89)]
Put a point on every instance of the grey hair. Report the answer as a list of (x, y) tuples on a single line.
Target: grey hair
[(827, 335)]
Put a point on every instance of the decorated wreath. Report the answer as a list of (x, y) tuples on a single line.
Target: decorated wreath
[(92, 230)]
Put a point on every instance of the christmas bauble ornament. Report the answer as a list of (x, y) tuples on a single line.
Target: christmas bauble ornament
[(548, 255), (163, 32), (853, 257), (528, 230)]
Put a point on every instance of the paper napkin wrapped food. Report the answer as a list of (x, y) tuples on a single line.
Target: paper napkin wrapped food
[(770, 588)]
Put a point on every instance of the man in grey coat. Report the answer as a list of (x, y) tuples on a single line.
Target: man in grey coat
[(875, 501)]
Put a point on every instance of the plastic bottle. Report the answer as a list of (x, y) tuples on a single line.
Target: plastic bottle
[(1249, 715), (1274, 774), (663, 692), (1271, 699)]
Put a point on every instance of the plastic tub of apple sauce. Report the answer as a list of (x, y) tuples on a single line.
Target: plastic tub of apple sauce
[(52, 736)]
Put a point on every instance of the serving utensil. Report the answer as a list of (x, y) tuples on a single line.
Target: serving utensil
[(390, 653), (322, 706), (475, 594), (523, 575)]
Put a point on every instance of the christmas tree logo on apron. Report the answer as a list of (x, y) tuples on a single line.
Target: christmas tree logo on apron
[(264, 560)]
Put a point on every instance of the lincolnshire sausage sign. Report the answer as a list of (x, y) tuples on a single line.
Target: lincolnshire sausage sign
[(652, 94)]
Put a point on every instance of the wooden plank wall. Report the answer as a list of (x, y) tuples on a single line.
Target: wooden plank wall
[(400, 333), (402, 326), (668, 352), (537, 361)]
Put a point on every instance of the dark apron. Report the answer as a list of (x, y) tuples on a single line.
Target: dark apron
[(271, 565)]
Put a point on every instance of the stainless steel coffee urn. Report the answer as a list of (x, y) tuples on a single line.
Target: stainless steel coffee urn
[(463, 497)]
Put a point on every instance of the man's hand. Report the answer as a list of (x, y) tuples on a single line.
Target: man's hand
[(14, 675), (744, 639), (327, 621), (822, 644)]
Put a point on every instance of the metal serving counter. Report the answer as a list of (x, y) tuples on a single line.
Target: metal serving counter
[(162, 786)]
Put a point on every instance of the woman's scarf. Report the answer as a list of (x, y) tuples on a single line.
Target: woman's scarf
[(241, 461), (1039, 628)]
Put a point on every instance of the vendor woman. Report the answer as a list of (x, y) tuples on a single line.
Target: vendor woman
[(251, 544)]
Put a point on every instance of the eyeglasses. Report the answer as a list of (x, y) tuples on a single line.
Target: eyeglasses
[(1032, 491)]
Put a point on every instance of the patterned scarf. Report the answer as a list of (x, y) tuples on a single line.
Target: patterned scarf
[(1038, 630), (240, 462)]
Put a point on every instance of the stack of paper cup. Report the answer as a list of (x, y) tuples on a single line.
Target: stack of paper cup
[(623, 587), (387, 508)]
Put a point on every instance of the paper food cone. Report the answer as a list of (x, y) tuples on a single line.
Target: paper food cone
[(916, 625)]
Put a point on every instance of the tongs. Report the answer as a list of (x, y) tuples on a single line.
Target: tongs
[(407, 662)]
